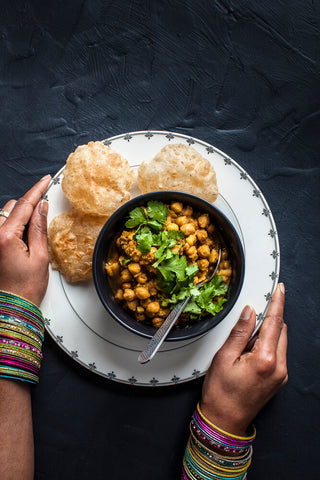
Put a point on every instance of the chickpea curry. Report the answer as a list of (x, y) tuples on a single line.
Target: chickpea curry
[(160, 257)]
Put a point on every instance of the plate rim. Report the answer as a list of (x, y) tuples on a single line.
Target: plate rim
[(266, 212)]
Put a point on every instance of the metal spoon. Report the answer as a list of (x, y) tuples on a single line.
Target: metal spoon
[(160, 335)]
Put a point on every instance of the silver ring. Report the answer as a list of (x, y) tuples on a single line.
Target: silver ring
[(3, 213)]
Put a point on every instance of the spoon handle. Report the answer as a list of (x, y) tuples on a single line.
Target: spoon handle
[(156, 341)]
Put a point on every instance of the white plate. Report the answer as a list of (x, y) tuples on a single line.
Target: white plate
[(78, 323)]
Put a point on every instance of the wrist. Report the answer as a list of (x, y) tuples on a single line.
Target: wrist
[(231, 422)]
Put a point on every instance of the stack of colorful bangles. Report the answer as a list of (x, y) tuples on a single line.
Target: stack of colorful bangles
[(212, 453), (21, 338)]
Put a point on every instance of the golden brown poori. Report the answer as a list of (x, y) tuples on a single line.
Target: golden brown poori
[(97, 180), (72, 237), (181, 168)]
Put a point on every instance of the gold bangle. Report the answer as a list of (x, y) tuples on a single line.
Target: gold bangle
[(236, 437)]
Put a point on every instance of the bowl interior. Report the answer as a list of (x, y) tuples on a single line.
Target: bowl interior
[(113, 228)]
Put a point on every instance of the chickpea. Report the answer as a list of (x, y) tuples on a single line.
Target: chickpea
[(187, 228), (224, 254), (188, 211), (224, 264), (134, 268), (142, 293), (142, 278), (202, 235), (202, 277), (214, 255), (157, 322), (226, 272), (152, 309), (126, 285), (204, 251), (140, 309), (182, 220), (125, 275), (140, 317), (203, 264), (112, 269), (176, 207), (191, 240), (133, 305), (119, 294), (191, 251), (136, 257), (129, 295), (203, 220), (210, 228), (172, 226), (163, 312)]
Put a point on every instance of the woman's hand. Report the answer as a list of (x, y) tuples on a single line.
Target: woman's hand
[(240, 382), (23, 245)]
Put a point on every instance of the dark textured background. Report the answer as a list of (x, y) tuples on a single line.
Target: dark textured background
[(242, 75)]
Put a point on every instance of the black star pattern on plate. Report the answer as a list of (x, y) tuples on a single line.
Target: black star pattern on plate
[(273, 275)]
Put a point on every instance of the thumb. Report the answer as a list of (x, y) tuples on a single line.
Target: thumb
[(37, 232), (240, 334)]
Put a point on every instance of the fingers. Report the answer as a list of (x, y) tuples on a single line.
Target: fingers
[(7, 208), (23, 209), (240, 334), (37, 231), (273, 323), (282, 355)]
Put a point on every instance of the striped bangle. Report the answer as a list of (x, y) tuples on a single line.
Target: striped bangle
[(21, 338)]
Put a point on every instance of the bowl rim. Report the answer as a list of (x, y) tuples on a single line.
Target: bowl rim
[(118, 217)]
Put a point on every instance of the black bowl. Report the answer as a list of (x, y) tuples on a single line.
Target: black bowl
[(115, 224)]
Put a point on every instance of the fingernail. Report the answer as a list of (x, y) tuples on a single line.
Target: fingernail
[(282, 288), (46, 177), (246, 313), (43, 208)]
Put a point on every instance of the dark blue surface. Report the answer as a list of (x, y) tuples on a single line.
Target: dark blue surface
[(242, 75)]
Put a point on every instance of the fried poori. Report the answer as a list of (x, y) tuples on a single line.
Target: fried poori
[(97, 180), (71, 239), (181, 168)]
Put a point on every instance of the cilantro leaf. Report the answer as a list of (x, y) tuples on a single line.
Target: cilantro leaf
[(155, 225), (137, 216), (144, 239), (192, 307), (157, 211), (191, 270), (175, 266)]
